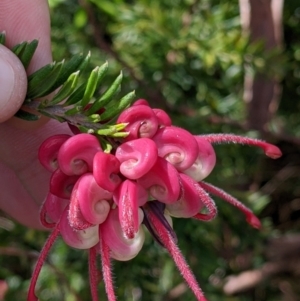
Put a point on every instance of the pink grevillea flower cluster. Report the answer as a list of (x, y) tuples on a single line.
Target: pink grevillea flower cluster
[(102, 200)]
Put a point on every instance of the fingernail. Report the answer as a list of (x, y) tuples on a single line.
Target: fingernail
[(7, 81), (13, 84)]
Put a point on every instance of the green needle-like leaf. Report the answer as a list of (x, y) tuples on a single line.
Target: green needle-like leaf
[(26, 115), (76, 96), (73, 111), (94, 79), (95, 118), (36, 78), (18, 49), (107, 96), (115, 109), (85, 62), (46, 84), (107, 131), (27, 53), (120, 135), (66, 90), (76, 63), (2, 37)]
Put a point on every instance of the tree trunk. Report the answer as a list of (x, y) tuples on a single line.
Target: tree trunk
[(262, 20)]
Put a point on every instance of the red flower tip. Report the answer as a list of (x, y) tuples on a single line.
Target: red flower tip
[(272, 151), (253, 221)]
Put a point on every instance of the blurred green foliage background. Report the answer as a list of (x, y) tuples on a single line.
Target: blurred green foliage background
[(188, 57)]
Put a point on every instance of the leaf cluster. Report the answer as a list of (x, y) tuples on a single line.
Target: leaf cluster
[(65, 99)]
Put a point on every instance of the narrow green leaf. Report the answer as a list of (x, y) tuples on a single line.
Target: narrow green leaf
[(120, 135), (84, 129), (115, 108), (26, 55), (95, 118), (66, 90), (111, 132), (73, 111), (76, 96), (17, 49), (26, 115), (94, 79), (85, 62), (106, 131), (107, 96), (36, 78), (105, 145), (90, 87), (121, 126), (71, 66), (46, 85), (2, 37)]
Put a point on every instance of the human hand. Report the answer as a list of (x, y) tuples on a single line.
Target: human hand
[(24, 182)]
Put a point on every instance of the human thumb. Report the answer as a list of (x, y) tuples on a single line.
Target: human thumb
[(13, 84)]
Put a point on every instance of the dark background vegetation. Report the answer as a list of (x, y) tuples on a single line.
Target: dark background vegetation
[(191, 58)]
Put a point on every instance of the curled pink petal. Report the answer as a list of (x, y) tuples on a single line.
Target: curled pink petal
[(76, 155), (205, 161), (48, 151), (79, 239), (270, 150), (162, 181), (126, 198), (189, 203), (122, 248), (105, 170), (177, 146), (89, 200), (142, 122), (137, 157), (61, 185), (52, 209), (163, 117), (141, 101)]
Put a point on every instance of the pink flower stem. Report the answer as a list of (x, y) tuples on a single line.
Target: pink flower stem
[(93, 273), (250, 217), (209, 204), (106, 268), (51, 239), (169, 243), (270, 150)]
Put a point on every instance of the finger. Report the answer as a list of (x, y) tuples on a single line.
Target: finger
[(25, 21), (24, 183), (13, 84), (18, 202)]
